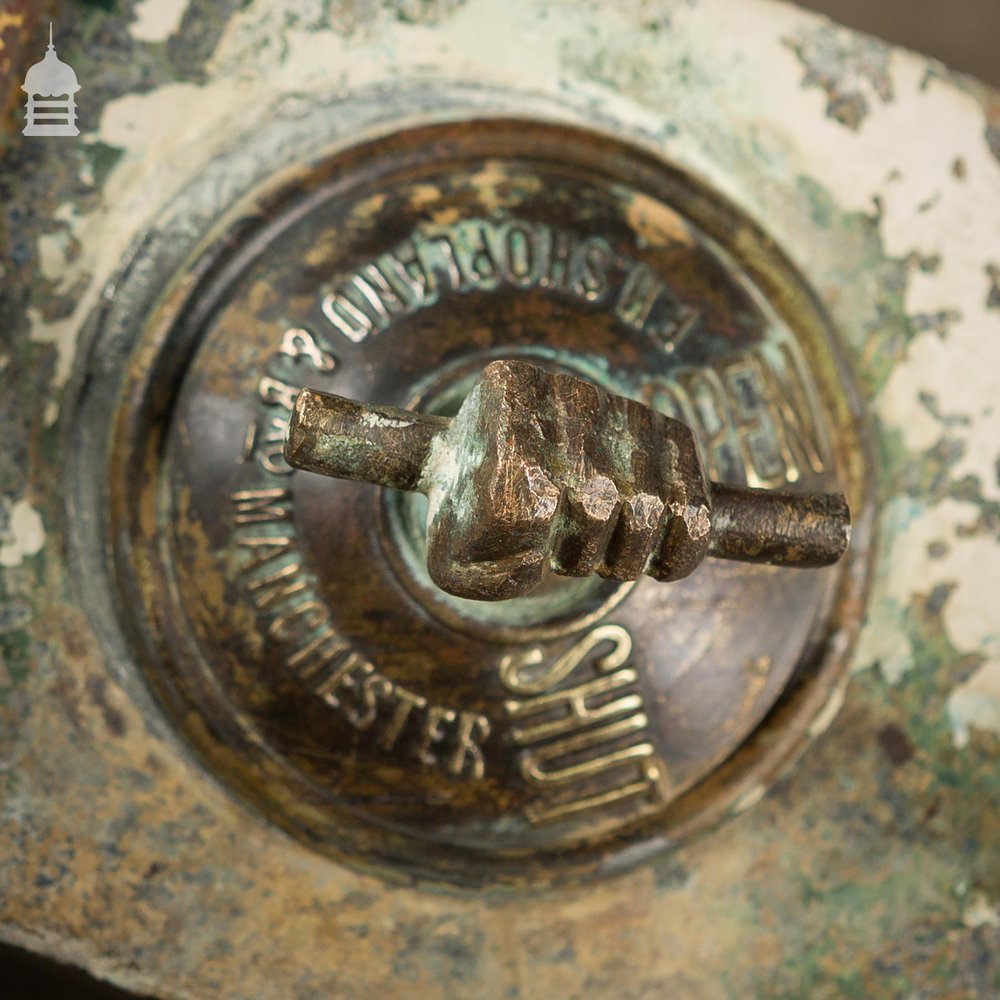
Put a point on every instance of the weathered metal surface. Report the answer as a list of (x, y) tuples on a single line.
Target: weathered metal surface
[(872, 868), (541, 472), (321, 672)]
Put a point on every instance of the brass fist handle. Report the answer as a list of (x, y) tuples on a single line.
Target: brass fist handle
[(541, 471)]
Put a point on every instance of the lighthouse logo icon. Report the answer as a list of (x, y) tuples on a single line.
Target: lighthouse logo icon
[(51, 78)]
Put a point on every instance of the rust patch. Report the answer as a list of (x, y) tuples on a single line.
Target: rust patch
[(896, 744), (113, 719), (18, 25)]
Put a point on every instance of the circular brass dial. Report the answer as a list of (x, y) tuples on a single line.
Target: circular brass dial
[(286, 621)]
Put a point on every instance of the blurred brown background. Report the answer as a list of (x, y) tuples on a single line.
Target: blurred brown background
[(965, 34)]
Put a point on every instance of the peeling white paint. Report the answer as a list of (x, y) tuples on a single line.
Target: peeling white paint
[(25, 535), (979, 912), (904, 156), (62, 334), (976, 704), (968, 564), (157, 20), (52, 249), (150, 172), (749, 799), (829, 712)]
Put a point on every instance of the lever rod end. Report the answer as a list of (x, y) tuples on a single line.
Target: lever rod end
[(346, 439)]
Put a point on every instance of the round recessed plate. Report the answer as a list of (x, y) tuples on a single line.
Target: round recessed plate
[(287, 622)]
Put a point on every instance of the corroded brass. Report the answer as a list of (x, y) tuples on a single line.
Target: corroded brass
[(177, 792), (541, 471), (287, 622)]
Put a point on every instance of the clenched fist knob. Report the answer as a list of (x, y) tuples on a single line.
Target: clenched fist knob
[(541, 471)]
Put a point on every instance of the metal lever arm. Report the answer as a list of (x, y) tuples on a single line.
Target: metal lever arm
[(542, 471)]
